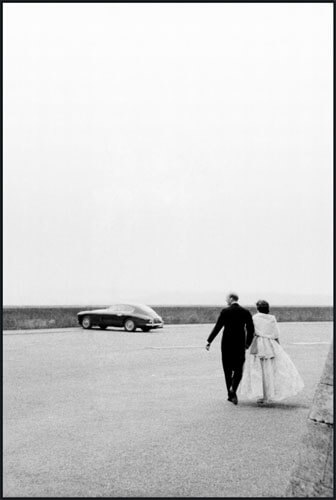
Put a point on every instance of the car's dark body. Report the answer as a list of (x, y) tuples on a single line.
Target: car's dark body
[(128, 316)]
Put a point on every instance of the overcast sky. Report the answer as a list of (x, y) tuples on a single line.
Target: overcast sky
[(167, 153)]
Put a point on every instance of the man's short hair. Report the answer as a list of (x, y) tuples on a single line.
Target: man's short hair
[(263, 306), (233, 296)]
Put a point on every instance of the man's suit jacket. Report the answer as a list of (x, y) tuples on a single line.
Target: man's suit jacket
[(238, 330)]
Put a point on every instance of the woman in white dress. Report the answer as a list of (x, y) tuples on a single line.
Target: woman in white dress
[(269, 373)]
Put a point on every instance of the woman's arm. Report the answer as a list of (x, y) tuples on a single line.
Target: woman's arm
[(277, 332)]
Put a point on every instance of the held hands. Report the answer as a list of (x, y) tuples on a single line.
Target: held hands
[(207, 346)]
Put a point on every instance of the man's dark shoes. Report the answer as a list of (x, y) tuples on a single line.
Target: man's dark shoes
[(233, 397)]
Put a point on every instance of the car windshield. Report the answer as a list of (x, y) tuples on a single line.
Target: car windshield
[(146, 310), (122, 308), (128, 308)]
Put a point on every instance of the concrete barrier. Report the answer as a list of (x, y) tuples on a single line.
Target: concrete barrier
[(313, 473), (25, 318)]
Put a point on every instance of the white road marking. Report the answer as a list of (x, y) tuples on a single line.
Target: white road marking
[(308, 343), (203, 347), (177, 347), (178, 377)]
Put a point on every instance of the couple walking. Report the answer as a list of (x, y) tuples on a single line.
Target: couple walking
[(267, 372)]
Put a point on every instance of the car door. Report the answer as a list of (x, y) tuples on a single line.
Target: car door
[(117, 316), (110, 317)]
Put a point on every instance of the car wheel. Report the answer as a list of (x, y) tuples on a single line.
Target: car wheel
[(86, 322), (145, 329), (103, 327), (129, 325)]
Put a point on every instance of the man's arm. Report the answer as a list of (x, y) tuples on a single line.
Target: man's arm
[(249, 329), (216, 329)]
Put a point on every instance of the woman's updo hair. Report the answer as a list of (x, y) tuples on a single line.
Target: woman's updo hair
[(263, 306)]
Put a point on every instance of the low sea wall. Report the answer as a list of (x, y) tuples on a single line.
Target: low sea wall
[(25, 318)]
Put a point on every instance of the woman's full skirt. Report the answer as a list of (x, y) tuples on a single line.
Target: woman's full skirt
[(281, 377)]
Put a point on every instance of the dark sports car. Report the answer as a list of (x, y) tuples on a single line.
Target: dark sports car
[(128, 316)]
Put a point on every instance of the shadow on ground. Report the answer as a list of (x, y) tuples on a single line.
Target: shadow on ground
[(275, 405)]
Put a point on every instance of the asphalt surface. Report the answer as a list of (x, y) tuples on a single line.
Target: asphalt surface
[(109, 413)]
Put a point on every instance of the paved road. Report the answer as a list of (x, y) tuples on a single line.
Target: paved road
[(110, 413)]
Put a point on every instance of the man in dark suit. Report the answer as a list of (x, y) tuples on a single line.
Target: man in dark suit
[(237, 336)]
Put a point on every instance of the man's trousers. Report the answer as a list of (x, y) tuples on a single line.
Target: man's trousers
[(233, 369)]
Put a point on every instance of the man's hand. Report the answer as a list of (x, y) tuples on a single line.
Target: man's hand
[(207, 346)]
